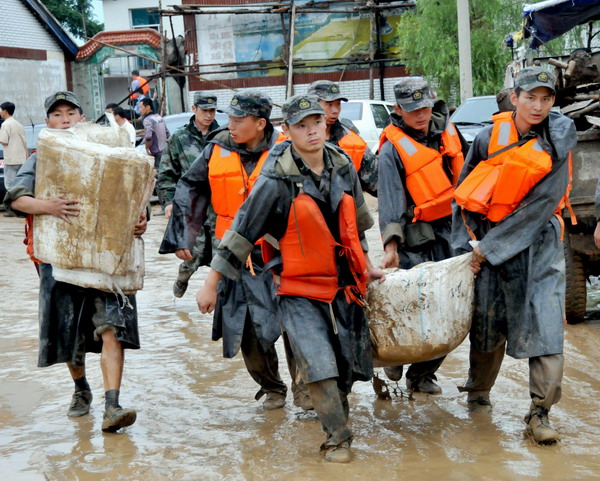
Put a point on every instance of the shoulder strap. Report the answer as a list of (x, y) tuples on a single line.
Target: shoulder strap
[(508, 147)]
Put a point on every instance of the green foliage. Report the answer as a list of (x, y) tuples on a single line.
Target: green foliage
[(75, 16), (428, 37)]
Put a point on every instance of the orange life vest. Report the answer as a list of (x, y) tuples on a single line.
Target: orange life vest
[(309, 251), (28, 241), (354, 146), (230, 184), (143, 85), (426, 179), (496, 186)]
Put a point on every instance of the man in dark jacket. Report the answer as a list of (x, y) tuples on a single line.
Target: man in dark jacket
[(222, 177), (519, 260), (309, 199), (415, 223), (182, 148)]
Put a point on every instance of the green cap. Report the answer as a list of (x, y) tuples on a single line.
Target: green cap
[(326, 90), (249, 102), (204, 101), (298, 107), (533, 77), (61, 97), (413, 93)]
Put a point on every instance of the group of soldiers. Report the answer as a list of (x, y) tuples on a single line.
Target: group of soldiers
[(280, 218)]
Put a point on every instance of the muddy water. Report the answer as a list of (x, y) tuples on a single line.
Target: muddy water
[(197, 418)]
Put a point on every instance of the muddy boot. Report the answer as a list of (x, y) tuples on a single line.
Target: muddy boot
[(80, 403), (338, 454), (179, 288), (539, 426), (423, 384), (394, 373), (274, 400), (115, 417), (479, 403)]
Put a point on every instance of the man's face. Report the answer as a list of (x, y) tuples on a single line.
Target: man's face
[(332, 110), (145, 109), (204, 117), (64, 116), (308, 135), (532, 106), (245, 129), (417, 119)]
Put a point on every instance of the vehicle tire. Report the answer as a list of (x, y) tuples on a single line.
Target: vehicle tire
[(576, 295)]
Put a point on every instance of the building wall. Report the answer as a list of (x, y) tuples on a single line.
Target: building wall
[(353, 89), (32, 64), (117, 16)]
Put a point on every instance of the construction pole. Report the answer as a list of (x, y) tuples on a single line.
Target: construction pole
[(464, 49), (162, 107), (290, 83), (372, 36)]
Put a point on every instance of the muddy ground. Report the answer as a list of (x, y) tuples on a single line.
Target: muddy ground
[(197, 418)]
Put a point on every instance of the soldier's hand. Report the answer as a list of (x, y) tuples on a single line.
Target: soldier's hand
[(477, 260), (597, 235), (168, 211), (184, 254), (207, 296), (391, 258), (63, 208), (141, 226), (374, 274)]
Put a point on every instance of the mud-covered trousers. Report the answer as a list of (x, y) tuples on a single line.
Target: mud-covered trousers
[(545, 375), (263, 365)]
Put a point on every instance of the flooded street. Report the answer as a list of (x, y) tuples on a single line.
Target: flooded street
[(198, 420)]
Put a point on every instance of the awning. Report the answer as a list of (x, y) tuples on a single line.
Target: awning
[(547, 20)]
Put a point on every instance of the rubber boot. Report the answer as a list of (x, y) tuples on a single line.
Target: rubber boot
[(539, 425)]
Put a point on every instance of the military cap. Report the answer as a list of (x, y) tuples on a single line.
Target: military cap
[(204, 101), (326, 90), (61, 97), (249, 102), (298, 107), (532, 77), (413, 93)]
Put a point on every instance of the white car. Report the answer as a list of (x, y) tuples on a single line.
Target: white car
[(369, 116)]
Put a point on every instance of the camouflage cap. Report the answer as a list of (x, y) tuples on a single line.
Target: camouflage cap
[(413, 93), (533, 77), (61, 97), (204, 101), (249, 102), (326, 90), (298, 107)]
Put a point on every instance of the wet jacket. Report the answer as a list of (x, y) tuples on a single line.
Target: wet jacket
[(417, 241), (343, 135), (427, 181), (249, 296), (182, 148), (520, 290), (266, 213)]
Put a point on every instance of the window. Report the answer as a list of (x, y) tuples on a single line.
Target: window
[(351, 110), (140, 18), (380, 115)]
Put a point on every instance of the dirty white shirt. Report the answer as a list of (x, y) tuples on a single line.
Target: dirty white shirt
[(12, 133), (130, 130)]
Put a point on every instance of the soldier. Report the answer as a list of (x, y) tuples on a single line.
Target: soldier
[(419, 149), (223, 176), (523, 161), (183, 147), (343, 133), (309, 199)]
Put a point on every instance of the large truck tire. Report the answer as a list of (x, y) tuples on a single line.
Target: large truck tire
[(576, 295)]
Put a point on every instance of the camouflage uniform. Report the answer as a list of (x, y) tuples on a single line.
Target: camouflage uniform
[(183, 147), (367, 174), (245, 315), (396, 204)]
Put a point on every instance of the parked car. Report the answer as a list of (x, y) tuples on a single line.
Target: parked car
[(369, 116), (473, 115)]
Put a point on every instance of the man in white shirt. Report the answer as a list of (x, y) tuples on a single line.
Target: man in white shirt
[(12, 138), (122, 121)]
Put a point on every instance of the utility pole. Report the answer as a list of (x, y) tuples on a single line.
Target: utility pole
[(464, 50)]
